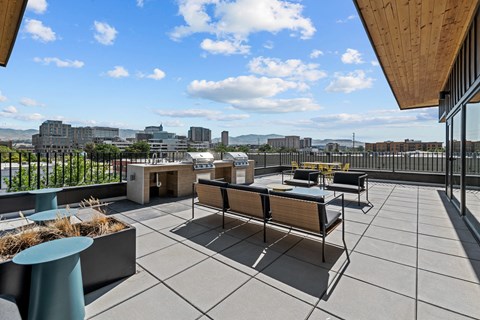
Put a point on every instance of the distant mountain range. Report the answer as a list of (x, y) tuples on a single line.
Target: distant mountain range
[(251, 139)]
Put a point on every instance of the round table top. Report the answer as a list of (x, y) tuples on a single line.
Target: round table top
[(52, 250), (279, 187), (46, 190), (53, 214)]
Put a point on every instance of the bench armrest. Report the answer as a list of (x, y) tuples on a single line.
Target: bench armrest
[(309, 177)]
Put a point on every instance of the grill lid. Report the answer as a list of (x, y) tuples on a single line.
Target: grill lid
[(199, 160), (240, 159)]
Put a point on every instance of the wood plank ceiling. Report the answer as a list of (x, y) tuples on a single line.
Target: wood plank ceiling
[(416, 42), (11, 14)]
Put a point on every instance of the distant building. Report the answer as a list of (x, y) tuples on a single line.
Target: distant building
[(56, 136), (225, 138), (160, 140), (6, 143), (289, 142), (332, 146), (199, 134), (405, 146), (306, 143)]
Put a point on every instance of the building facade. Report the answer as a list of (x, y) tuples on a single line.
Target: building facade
[(199, 134), (408, 145), (225, 138), (290, 142)]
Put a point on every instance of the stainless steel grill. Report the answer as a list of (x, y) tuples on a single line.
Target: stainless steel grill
[(239, 159), (199, 160)]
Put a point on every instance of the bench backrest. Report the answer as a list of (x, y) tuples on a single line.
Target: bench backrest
[(298, 211), (254, 189), (305, 174), (212, 193), (246, 202), (349, 178)]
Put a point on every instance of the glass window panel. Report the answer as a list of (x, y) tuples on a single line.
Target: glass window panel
[(472, 167)]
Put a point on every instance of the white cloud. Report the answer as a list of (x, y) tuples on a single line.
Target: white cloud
[(225, 47), (292, 69), (356, 80), (140, 3), (350, 17), (316, 53), (261, 105), (374, 63), (2, 97), (104, 33), (157, 74), (352, 56), (268, 45), (118, 72), (10, 109), (236, 20), (38, 31), (173, 123), (202, 113), (60, 63), (37, 6), (29, 102), (239, 88)]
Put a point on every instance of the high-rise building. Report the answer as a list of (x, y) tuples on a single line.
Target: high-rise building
[(199, 134), (292, 142), (160, 140), (225, 138)]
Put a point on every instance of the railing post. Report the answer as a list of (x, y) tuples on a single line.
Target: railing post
[(393, 162), (264, 159)]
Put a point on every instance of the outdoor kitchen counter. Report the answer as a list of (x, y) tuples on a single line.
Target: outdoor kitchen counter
[(176, 178)]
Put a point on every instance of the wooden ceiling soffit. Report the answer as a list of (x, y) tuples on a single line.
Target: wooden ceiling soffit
[(11, 14), (416, 43)]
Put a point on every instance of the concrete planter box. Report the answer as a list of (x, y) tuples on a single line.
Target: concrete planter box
[(110, 258)]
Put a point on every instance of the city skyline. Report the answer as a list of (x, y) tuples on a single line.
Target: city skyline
[(310, 73)]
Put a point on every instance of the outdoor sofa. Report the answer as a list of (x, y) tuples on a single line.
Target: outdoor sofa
[(304, 213), (302, 177)]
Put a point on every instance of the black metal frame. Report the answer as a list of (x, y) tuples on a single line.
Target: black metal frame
[(359, 191), (309, 179)]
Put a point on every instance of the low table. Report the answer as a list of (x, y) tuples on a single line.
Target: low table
[(279, 187), (45, 199), (56, 289), (316, 192), (50, 215)]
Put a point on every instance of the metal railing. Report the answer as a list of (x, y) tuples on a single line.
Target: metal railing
[(22, 171)]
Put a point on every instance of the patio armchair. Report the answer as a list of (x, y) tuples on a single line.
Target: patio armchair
[(350, 182), (302, 178), (307, 214)]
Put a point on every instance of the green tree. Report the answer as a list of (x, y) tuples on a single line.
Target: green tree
[(220, 148), (106, 148), (265, 148), (139, 147)]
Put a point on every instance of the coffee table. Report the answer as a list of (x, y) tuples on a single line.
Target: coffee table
[(279, 187), (315, 192)]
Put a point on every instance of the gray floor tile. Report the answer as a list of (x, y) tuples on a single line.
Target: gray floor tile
[(397, 215), (242, 229), (428, 312), (256, 300), (319, 314), (353, 299), (211, 242), (302, 280), (173, 207), (184, 231), (450, 222), (157, 302), (449, 233), (453, 266), (387, 250), (247, 257), (163, 222), (143, 214), (389, 275), (169, 261), (111, 295), (448, 246), (398, 236), (151, 242), (395, 208), (354, 227), (207, 283), (141, 229), (405, 202), (452, 294), (410, 226), (278, 239)]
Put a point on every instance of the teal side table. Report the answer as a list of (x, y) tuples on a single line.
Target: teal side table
[(45, 199), (56, 290), (50, 215)]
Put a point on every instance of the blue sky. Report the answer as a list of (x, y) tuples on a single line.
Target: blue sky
[(297, 67)]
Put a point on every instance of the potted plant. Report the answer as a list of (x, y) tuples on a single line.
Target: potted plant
[(110, 258)]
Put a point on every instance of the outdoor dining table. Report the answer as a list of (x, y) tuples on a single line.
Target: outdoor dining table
[(45, 199), (56, 288), (332, 165)]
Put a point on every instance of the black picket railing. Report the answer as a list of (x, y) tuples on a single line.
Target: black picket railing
[(26, 171)]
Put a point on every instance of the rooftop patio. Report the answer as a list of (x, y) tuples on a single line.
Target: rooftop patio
[(412, 257)]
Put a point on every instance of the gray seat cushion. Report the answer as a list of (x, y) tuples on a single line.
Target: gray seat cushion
[(341, 187), (300, 183), (8, 308), (332, 217), (297, 196)]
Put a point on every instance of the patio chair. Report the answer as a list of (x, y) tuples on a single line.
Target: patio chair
[(346, 167), (295, 165), (302, 178)]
